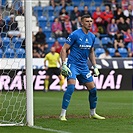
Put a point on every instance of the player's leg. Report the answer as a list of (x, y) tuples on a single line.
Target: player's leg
[(93, 100), (62, 80), (71, 80), (46, 83), (67, 97)]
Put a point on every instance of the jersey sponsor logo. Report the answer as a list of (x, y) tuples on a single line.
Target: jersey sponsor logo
[(84, 46)]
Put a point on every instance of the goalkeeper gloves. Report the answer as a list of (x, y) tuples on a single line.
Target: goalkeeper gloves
[(96, 71), (65, 71)]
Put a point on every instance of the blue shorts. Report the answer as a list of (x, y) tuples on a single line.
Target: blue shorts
[(81, 73)]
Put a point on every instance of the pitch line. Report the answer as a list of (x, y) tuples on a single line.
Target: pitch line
[(49, 129)]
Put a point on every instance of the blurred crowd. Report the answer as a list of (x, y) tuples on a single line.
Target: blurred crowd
[(115, 21)]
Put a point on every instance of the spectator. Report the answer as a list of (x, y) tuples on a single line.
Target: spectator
[(112, 28), (63, 3), (54, 3), (13, 27), (57, 46), (40, 37), (124, 4), (62, 14), (94, 30), (122, 25), (67, 26), (128, 38), (117, 14), (57, 28), (117, 54), (85, 11), (105, 55), (118, 40), (74, 15), (36, 54), (2, 25), (98, 20), (107, 16), (42, 50), (78, 23)]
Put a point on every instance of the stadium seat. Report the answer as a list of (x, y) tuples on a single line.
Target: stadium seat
[(57, 10), (97, 43), (99, 51), (69, 9), (6, 43), (17, 42), (42, 21), (123, 52), (76, 2), (1, 53), (61, 40), (51, 20), (37, 10), (47, 31), (111, 51), (50, 41), (20, 53), (48, 10), (9, 53), (105, 41)]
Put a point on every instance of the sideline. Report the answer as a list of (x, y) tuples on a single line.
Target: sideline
[(49, 129)]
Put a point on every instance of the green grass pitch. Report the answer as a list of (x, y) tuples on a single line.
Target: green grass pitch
[(116, 106)]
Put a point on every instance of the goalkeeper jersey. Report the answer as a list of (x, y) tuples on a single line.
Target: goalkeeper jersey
[(81, 44), (52, 59)]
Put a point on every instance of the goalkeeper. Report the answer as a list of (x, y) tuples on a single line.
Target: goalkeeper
[(80, 43)]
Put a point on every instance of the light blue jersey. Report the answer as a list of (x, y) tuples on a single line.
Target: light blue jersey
[(81, 44)]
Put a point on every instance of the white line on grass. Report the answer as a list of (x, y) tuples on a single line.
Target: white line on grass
[(49, 129)]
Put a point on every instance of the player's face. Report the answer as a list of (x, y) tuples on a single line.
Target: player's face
[(87, 23)]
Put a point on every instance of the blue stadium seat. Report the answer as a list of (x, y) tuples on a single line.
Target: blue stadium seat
[(38, 11), (92, 9), (42, 21), (106, 40), (17, 42), (49, 10), (76, 2), (50, 41), (57, 10), (6, 43), (99, 51), (1, 53), (20, 53), (61, 40), (51, 20), (47, 31), (9, 53), (111, 51), (80, 8), (97, 43), (123, 52)]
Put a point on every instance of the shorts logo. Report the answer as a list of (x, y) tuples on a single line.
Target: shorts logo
[(88, 75)]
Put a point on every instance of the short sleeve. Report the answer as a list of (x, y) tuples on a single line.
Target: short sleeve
[(71, 39)]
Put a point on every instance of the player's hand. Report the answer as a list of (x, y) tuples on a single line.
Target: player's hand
[(96, 71), (65, 71)]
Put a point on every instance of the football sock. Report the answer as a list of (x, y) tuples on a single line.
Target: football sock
[(63, 112), (92, 111), (67, 96), (46, 82), (62, 81), (93, 98)]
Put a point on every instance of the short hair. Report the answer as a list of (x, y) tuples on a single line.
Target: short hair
[(85, 16)]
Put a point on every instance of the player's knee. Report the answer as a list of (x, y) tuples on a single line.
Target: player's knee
[(70, 88)]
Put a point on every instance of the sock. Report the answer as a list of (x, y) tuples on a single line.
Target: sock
[(67, 96), (63, 112), (62, 82), (46, 82), (93, 98), (92, 111)]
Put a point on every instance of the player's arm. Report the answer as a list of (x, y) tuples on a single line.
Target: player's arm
[(63, 53), (93, 61), (65, 71)]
